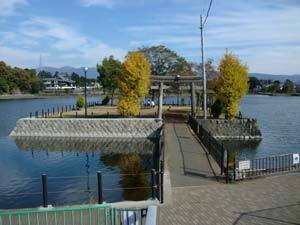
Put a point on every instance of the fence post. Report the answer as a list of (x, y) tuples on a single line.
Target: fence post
[(61, 115), (30, 114), (45, 190), (153, 182), (222, 158), (53, 111), (100, 188), (42, 113), (76, 115), (227, 168), (161, 194), (36, 114)]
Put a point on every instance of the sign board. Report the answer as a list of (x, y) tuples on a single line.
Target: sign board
[(244, 165), (296, 158)]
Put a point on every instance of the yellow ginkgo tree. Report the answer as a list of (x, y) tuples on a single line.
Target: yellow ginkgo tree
[(232, 83), (134, 83)]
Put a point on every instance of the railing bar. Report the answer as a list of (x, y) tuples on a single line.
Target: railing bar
[(81, 219), (64, 218), (90, 215), (46, 218), (28, 219), (55, 218), (72, 216), (9, 218), (105, 216), (19, 219), (37, 219)]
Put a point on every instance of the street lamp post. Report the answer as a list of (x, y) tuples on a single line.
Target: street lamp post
[(85, 98)]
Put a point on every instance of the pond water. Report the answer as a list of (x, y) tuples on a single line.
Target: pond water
[(24, 160), (70, 165)]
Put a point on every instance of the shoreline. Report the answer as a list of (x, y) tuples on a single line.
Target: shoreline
[(39, 96), (276, 94)]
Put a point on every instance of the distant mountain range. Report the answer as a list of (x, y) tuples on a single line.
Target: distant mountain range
[(263, 76), (92, 73)]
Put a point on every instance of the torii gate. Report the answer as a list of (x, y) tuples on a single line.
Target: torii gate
[(192, 80)]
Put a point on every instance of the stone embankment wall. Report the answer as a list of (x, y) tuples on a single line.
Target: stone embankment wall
[(109, 128), (232, 129)]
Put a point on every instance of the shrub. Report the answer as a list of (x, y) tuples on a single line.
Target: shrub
[(216, 108), (80, 101), (105, 101)]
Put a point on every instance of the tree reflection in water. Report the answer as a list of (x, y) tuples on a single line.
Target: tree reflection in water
[(137, 167)]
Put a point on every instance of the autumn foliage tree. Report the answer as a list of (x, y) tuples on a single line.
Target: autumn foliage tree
[(232, 83), (133, 83)]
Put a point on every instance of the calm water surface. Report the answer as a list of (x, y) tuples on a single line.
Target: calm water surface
[(279, 120), (70, 165), (23, 161)]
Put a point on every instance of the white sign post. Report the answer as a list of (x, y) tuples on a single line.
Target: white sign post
[(296, 159), (244, 165)]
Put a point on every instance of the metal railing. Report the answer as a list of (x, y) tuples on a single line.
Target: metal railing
[(266, 165), (84, 214), (58, 110), (215, 148)]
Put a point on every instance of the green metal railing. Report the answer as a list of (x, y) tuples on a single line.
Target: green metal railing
[(76, 215)]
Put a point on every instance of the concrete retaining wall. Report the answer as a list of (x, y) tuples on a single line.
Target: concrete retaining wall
[(111, 128), (232, 129)]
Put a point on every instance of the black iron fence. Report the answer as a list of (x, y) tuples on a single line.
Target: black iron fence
[(215, 148), (266, 165), (237, 169), (58, 110)]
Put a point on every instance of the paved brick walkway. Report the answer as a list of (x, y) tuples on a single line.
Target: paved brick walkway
[(202, 200)]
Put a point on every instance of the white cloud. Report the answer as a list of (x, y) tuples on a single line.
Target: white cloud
[(20, 58), (64, 44), (104, 3), (8, 7)]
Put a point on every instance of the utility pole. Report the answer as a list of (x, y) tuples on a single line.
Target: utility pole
[(203, 71)]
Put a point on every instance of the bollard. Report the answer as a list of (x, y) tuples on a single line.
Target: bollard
[(100, 188), (45, 191), (153, 182), (162, 169)]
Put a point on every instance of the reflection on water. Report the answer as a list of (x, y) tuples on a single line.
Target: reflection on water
[(71, 165), (134, 169), (110, 145), (244, 149)]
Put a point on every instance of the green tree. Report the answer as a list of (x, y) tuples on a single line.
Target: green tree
[(288, 86), (44, 74), (216, 108), (109, 72), (4, 88), (165, 61), (80, 101), (133, 83), (232, 83), (275, 87), (253, 83)]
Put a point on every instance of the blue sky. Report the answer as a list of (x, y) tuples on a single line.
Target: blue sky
[(265, 34)]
